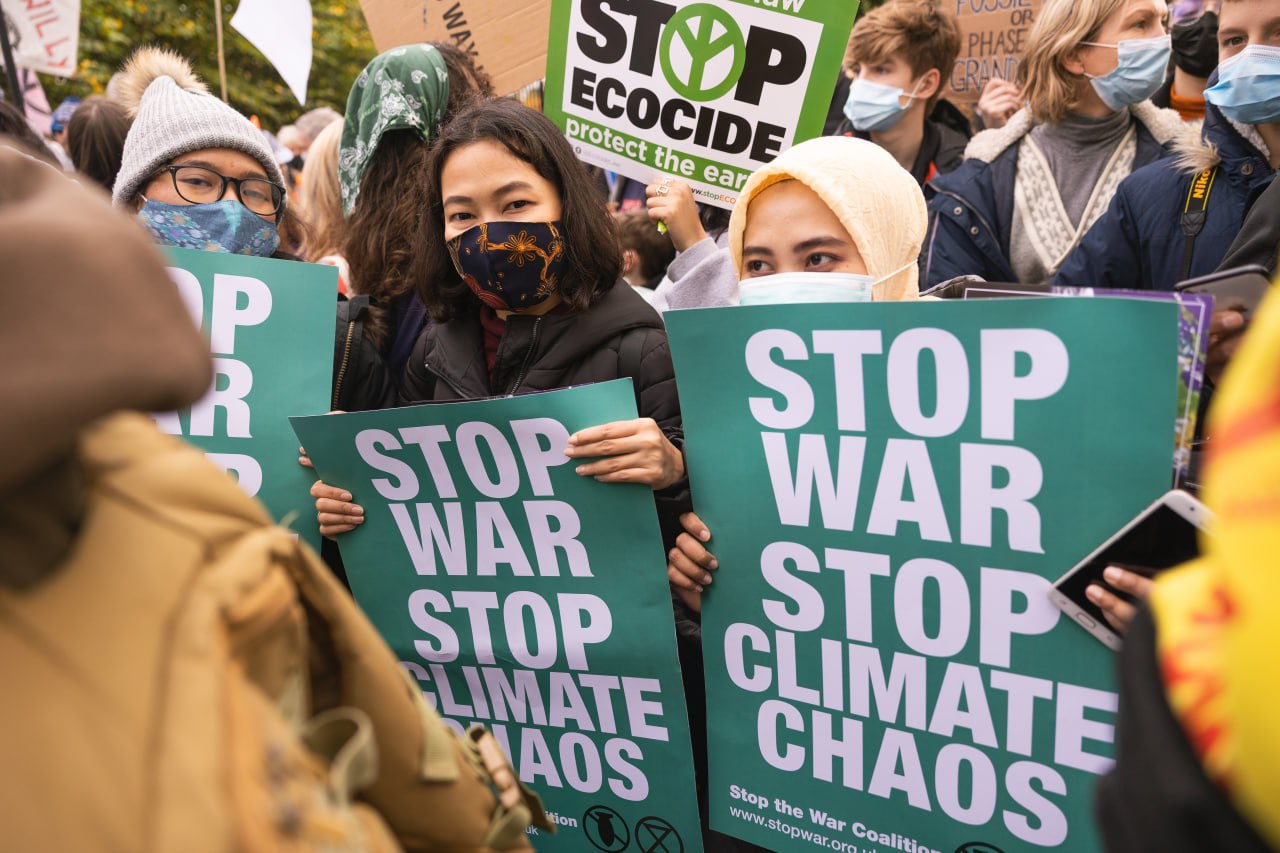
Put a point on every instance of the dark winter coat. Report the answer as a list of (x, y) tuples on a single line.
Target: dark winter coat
[(361, 380), (971, 209), (559, 350), (941, 150), (946, 133), (1141, 241), (1259, 239)]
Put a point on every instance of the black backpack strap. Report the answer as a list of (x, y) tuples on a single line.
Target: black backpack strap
[(630, 354), (1194, 213)]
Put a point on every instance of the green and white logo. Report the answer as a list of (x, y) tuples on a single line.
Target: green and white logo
[(701, 35)]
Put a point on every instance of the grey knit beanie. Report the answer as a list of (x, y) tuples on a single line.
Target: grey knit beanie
[(174, 114)]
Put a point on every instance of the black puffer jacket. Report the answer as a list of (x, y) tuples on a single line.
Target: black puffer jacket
[(1259, 239), (559, 350), (361, 381)]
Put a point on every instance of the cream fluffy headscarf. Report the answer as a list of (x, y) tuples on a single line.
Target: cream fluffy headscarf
[(876, 200)]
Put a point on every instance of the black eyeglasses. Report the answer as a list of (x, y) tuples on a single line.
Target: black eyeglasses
[(201, 185)]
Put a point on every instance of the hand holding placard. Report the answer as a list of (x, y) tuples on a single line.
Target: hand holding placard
[(522, 595)]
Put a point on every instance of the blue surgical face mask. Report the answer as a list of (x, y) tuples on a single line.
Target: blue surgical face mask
[(875, 107), (1139, 72), (1248, 87), (220, 226)]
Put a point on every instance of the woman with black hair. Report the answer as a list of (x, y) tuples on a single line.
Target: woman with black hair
[(519, 267)]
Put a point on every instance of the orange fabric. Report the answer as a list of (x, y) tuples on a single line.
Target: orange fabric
[(1191, 109)]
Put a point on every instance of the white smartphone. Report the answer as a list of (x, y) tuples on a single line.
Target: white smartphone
[(1162, 536)]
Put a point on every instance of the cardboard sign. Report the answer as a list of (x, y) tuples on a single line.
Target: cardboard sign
[(527, 598), (270, 326), (993, 37), (507, 40), (707, 92), (891, 489)]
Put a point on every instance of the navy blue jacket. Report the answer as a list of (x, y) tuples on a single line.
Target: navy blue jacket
[(1139, 243), (971, 209)]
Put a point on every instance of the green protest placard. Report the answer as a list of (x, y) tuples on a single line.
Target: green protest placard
[(270, 326), (526, 598), (891, 488), (704, 91)]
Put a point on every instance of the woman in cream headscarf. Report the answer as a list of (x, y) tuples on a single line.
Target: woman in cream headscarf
[(826, 221), (829, 205)]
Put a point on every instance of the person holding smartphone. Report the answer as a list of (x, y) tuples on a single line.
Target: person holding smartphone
[(1118, 611)]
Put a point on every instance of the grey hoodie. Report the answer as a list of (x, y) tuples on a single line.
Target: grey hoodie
[(702, 276)]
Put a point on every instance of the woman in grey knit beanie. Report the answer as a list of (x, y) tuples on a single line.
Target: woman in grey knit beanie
[(198, 173)]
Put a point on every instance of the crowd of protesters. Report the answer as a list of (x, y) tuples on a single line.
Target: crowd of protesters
[(1078, 172)]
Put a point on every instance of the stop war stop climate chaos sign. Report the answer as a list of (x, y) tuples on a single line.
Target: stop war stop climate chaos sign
[(706, 92)]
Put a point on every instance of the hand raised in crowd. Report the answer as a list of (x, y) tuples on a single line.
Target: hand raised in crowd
[(689, 564), (1118, 611), (1000, 99), (671, 201), (1226, 331), (628, 452)]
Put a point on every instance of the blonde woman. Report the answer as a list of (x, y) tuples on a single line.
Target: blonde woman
[(1028, 192), (320, 197)]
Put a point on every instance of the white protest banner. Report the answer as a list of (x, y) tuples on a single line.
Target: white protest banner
[(45, 34), (281, 30)]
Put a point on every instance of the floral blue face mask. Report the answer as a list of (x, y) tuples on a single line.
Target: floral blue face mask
[(1139, 72), (511, 266), (1248, 87), (220, 226)]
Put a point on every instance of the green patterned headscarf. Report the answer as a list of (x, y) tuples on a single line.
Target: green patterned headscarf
[(404, 88)]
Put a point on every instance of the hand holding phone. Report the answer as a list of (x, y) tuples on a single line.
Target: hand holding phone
[(1162, 536), (1122, 586)]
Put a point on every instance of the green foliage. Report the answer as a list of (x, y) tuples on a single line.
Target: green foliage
[(111, 29)]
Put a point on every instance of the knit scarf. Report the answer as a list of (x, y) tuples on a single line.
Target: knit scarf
[(405, 88), (1041, 221)]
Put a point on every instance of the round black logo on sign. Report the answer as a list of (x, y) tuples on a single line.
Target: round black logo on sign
[(978, 847), (655, 835), (605, 829)]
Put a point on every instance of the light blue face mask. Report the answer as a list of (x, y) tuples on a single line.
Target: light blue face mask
[(1139, 72), (1248, 87), (874, 107), (219, 226), (794, 288)]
